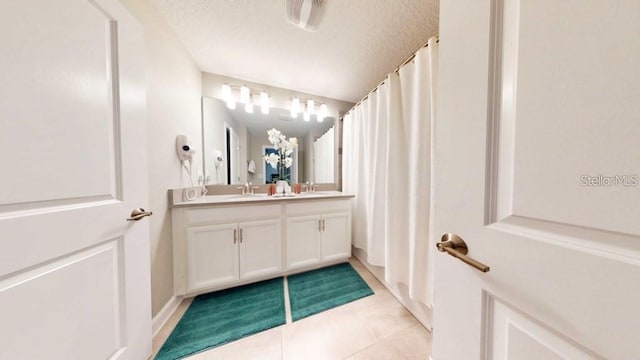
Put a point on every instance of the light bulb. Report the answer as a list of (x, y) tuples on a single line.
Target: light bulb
[(323, 113), (226, 92), (306, 116), (323, 109), (244, 94), (295, 107), (264, 102), (310, 106), (248, 107), (231, 104)]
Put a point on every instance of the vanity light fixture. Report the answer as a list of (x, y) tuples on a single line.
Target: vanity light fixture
[(323, 112), (264, 102), (227, 96), (245, 95), (226, 91), (295, 107), (310, 106)]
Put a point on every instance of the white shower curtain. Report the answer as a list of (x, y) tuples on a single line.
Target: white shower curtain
[(323, 161), (387, 165)]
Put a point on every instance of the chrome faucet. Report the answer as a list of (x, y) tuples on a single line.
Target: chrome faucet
[(247, 189)]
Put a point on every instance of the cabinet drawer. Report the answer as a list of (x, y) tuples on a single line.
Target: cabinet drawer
[(318, 207), (232, 213)]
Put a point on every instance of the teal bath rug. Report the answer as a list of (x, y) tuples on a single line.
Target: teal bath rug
[(223, 316), (319, 290)]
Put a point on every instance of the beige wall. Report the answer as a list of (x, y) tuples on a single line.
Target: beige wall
[(174, 84)]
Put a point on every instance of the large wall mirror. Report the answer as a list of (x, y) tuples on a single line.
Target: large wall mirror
[(235, 142)]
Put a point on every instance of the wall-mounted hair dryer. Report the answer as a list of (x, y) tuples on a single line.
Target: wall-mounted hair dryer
[(217, 158), (184, 149), (185, 152)]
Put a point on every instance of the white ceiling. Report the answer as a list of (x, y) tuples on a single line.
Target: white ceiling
[(356, 45)]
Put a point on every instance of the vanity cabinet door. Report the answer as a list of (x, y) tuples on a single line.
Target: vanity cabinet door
[(303, 241), (336, 236), (260, 248), (212, 255)]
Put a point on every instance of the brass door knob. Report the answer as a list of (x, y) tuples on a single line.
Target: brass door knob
[(138, 214), (453, 245)]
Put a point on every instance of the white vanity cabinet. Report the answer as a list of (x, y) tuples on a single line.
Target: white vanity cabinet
[(220, 243), (218, 247), (317, 232), (260, 245), (221, 254), (336, 236), (212, 256), (303, 241)]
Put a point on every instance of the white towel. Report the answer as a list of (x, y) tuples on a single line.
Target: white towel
[(252, 167)]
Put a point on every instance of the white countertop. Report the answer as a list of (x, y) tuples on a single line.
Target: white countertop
[(239, 199)]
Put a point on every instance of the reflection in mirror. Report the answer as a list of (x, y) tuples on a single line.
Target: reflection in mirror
[(235, 142)]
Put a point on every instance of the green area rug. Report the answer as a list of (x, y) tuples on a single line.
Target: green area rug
[(223, 316), (319, 290)]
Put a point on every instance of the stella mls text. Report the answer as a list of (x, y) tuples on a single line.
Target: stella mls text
[(615, 180)]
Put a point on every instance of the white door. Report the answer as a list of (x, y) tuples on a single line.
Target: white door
[(74, 274), (336, 232), (260, 248), (234, 156), (303, 241), (538, 113), (212, 255)]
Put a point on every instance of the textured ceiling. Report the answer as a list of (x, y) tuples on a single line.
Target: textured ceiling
[(357, 43)]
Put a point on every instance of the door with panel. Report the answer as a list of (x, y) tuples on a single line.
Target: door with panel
[(536, 169), (336, 236), (74, 274), (260, 248), (303, 241), (212, 258)]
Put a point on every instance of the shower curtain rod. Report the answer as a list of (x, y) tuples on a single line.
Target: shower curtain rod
[(395, 71)]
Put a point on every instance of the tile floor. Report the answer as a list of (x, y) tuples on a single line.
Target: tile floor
[(375, 327)]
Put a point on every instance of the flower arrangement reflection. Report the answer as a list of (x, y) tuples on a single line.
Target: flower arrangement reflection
[(281, 160)]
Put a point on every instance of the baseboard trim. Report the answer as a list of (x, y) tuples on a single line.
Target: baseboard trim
[(164, 314), (425, 319)]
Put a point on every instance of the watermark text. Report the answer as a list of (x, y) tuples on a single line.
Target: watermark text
[(613, 180)]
